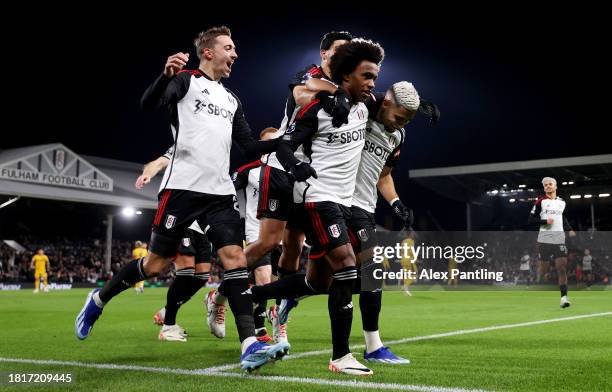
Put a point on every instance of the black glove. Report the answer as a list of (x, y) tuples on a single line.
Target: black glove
[(326, 100), (403, 213), (337, 105), (342, 108), (302, 171), (430, 110)]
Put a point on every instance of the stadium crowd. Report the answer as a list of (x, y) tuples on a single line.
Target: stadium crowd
[(82, 260), (71, 260)]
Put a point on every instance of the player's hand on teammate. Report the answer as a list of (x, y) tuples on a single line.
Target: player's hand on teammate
[(404, 213), (549, 221), (572, 233), (303, 171), (336, 104), (342, 108), (142, 181), (175, 64)]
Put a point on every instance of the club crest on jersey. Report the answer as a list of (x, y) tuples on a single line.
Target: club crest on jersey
[(334, 230), (186, 242), (273, 205), (363, 235), (170, 221), (60, 159)]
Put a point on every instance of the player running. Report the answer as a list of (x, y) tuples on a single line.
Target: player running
[(548, 213), (206, 118)]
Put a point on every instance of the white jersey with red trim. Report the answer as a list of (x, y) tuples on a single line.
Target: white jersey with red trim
[(334, 153), (545, 208), (205, 118)]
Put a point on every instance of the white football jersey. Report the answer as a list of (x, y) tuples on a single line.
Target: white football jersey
[(381, 149), (334, 153), (545, 208), (205, 118), (587, 263)]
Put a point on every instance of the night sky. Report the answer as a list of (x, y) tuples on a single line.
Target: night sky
[(512, 83)]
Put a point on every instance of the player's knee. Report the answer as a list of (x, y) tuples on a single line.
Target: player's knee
[(232, 257), (183, 261), (562, 270), (289, 263), (346, 259), (154, 264), (152, 270), (320, 285), (292, 253), (202, 268), (268, 243), (262, 275)]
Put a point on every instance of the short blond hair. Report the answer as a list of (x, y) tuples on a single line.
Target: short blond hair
[(405, 95)]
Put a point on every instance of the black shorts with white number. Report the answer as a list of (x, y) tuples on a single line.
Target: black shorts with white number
[(362, 229), (177, 209), (325, 226), (551, 252), (275, 194), (197, 245)]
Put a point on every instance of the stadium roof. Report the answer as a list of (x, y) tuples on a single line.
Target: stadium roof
[(470, 182), (53, 171)]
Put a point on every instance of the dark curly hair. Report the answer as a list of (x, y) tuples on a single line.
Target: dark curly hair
[(350, 55)]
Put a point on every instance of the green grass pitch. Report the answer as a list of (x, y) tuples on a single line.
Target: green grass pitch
[(572, 355)]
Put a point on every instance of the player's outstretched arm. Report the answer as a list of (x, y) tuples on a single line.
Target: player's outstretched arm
[(241, 134), (170, 86), (150, 170)]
